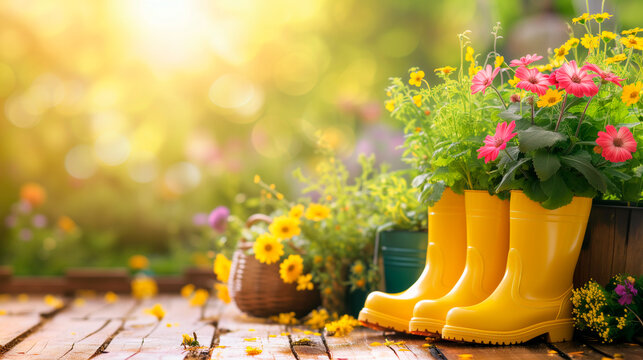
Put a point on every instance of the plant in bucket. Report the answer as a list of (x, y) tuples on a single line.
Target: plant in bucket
[(565, 139), (444, 129)]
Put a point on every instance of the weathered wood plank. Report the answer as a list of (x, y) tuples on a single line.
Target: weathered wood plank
[(358, 346), (532, 350), (633, 263), (577, 350)]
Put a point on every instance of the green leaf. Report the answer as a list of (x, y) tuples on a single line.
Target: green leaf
[(509, 115), (507, 179), (545, 164), (585, 167), (433, 192), (419, 180), (558, 193), (504, 159), (534, 191), (536, 138)]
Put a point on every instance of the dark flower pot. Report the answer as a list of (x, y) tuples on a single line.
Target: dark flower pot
[(404, 256)]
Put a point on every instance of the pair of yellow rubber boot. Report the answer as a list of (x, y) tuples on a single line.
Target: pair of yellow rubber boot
[(497, 272)]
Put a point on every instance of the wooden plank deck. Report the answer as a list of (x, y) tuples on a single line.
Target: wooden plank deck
[(93, 329)]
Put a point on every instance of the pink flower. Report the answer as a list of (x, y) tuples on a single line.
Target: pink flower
[(617, 147), (552, 80), (576, 81), (218, 218), (626, 293), (605, 76), (525, 60), (493, 144), (483, 79), (532, 80)]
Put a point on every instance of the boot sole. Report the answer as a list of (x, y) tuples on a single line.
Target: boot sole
[(555, 330), (382, 322), (425, 326)]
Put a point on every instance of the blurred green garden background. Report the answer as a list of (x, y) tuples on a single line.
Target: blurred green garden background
[(133, 116)]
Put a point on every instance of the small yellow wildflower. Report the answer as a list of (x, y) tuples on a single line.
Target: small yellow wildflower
[(304, 282), (66, 224), (222, 267), (601, 17), (632, 41), (581, 19), (187, 290), (53, 301), (268, 249), (144, 287), (616, 59), (189, 341), (561, 52), (389, 93), (342, 327), (572, 42), (279, 196), (23, 297), (632, 93), (358, 268), (631, 279), (546, 67), (590, 42), (222, 292), (317, 319), (499, 61), (79, 302), (252, 351), (285, 318), (284, 227), (199, 298), (138, 262), (257, 179), (291, 268), (416, 78), (317, 212), (634, 31), (272, 336), (390, 105), (551, 98), (474, 69), (296, 211), (360, 283), (514, 81), (317, 259), (469, 54), (417, 100), (446, 70), (607, 36), (157, 311)]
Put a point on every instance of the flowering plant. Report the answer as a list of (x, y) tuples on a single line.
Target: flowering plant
[(611, 313)]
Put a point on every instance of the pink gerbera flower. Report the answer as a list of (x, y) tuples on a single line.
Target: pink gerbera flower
[(617, 146), (575, 81), (552, 79), (483, 79), (605, 76), (493, 144), (532, 80), (525, 60)]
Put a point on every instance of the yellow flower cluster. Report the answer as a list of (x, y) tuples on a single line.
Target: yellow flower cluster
[(144, 287), (317, 319), (599, 18), (285, 318), (291, 268), (304, 282), (157, 311), (342, 327), (199, 298), (588, 302), (317, 212)]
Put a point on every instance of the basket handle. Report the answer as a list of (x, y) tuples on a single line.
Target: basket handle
[(254, 219)]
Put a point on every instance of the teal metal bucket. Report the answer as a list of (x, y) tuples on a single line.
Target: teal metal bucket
[(404, 257)]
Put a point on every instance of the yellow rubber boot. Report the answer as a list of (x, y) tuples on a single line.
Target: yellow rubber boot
[(533, 297), (487, 247), (444, 265)]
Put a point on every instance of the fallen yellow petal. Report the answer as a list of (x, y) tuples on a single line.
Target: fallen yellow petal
[(465, 356), (272, 336), (252, 330), (250, 339), (426, 345), (375, 343), (403, 349), (317, 334), (285, 334)]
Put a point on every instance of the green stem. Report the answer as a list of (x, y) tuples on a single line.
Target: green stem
[(629, 56), (582, 117), (562, 110), (532, 110), (500, 96)]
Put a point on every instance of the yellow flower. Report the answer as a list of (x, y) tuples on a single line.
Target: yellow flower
[(188, 340), (572, 42), (360, 283), (296, 211), (3, 312), (514, 81), (632, 93), (446, 70), (317, 212), (200, 297), (390, 105), (607, 36), (632, 41), (581, 19), (634, 31), (417, 100), (66, 224), (561, 52), (257, 179), (79, 302), (469, 54), (615, 59), (284, 227), (499, 61), (389, 93), (631, 279), (33, 193), (317, 319), (304, 282), (285, 319), (222, 267), (317, 259), (601, 17), (474, 69), (358, 268), (222, 292), (138, 262), (187, 290), (546, 67), (111, 297), (590, 42), (53, 301), (268, 249), (551, 98), (252, 351), (144, 287), (342, 327), (157, 311), (416, 78), (291, 268)]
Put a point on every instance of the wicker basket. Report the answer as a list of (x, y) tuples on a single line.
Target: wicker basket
[(258, 290)]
